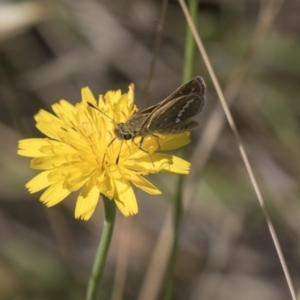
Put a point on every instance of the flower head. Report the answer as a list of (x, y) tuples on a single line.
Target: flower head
[(81, 152)]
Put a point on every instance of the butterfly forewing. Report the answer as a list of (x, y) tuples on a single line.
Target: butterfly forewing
[(179, 110), (194, 86)]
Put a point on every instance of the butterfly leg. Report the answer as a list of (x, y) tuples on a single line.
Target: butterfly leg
[(140, 147), (135, 142), (142, 139), (106, 152), (157, 139)]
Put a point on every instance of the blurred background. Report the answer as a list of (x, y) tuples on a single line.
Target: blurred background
[(50, 49)]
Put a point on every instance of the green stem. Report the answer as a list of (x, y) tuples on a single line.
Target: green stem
[(190, 45), (99, 262), (189, 62)]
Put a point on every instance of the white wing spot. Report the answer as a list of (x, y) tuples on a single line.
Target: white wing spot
[(177, 120), (166, 119), (183, 109)]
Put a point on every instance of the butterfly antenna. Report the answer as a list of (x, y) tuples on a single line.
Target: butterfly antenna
[(95, 107)]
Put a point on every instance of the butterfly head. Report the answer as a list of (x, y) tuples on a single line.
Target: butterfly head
[(122, 133)]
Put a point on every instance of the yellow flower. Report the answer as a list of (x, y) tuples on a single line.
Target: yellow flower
[(78, 154)]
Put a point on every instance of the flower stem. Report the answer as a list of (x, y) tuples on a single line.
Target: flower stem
[(189, 63), (99, 262)]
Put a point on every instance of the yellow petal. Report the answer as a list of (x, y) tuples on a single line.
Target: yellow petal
[(112, 97), (64, 110), (54, 194), (38, 182), (174, 141), (75, 180), (142, 183), (50, 162), (159, 162), (31, 147), (87, 202), (87, 96), (43, 147), (49, 124), (175, 165), (47, 117), (107, 186), (130, 95), (53, 132), (125, 198)]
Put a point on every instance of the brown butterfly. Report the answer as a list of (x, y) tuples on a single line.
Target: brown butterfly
[(170, 116)]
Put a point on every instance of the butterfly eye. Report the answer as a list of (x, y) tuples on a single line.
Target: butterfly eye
[(127, 136)]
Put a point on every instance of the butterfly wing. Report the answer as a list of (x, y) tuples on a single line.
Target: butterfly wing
[(178, 128), (193, 86), (196, 86), (176, 112)]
